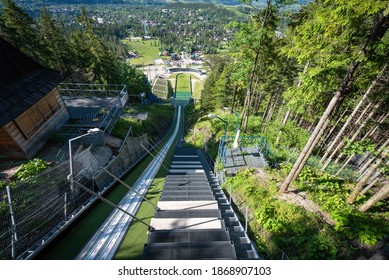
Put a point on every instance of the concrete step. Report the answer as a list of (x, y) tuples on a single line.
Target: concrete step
[(234, 229), (195, 192), (187, 205), (246, 247), (185, 223), (182, 236), (186, 198), (190, 251), (186, 188), (245, 254), (211, 213)]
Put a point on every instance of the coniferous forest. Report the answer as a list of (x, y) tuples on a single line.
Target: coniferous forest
[(312, 79)]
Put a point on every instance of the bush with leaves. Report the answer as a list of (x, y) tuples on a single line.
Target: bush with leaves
[(30, 169), (330, 193), (296, 231)]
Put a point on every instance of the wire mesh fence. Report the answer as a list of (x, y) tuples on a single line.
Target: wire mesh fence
[(32, 208)]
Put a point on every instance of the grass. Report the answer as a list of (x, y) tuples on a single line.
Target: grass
[(198, 87), (159, 118), (146, 49), (183, 86), (136, 237), (69, 246), (133, 243)]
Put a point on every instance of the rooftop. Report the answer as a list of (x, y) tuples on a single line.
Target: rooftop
[(23, 82)]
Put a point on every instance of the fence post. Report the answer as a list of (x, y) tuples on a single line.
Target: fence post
[(65, 206), (247, 219), (128, 151), (230, 193), (13, 221)]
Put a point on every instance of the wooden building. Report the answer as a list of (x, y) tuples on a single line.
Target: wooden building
[(30, 105)]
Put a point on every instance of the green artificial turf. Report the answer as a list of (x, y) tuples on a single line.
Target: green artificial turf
[(136, 236), (70, 246), (183, 87)]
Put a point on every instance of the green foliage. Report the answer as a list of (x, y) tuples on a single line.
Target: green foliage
[(293, 229), (135, 80), (359, 147), (80, 51), (156, 125), (217, 89), (292, 136), (30, 169), (330, 193), (17, 27)]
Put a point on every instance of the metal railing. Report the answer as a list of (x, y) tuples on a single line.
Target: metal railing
[(243, 141)]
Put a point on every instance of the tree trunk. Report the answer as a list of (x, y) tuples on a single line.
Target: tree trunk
[(345, 164), (283, 125), (347, 123), (371, 132), (382, 194), (367, 163), (246, 110), (233, 98), (353, 196), (301, 160), (258, 101), (375, 179), (329, 134), (359, 130), (305, 159)]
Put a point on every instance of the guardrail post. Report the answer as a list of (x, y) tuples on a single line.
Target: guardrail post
[(247, 219), (230, 193), (13, 222)]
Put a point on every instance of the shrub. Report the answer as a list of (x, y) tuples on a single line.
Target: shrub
[(31, 168)]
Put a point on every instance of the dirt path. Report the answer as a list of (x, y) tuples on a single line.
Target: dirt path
[(299, 198)]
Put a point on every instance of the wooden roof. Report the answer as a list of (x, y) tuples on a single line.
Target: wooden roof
[(23, 82)]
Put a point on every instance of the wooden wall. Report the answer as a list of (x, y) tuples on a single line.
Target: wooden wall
[(26, 134)]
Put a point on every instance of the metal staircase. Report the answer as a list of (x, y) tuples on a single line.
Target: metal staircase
[(193, 219)]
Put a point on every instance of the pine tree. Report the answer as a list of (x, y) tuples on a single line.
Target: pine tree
[(18, 28), (57, 51), (318, 36), (93, 54)]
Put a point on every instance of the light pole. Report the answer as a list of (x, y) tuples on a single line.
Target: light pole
[(71, 176), (222, 143), (237, 117), (236, 141), (213, 116)]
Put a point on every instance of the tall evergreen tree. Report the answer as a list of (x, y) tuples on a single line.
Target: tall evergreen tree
[(344, 36), (58, 54), (93, 54), (18, 28)]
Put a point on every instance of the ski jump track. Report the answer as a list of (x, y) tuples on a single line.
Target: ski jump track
[(105, 242)]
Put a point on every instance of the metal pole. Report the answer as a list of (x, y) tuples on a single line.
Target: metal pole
[(112, 204), (71, 167), (230, 193), (13, 221), (70, 177), (154, 157), (247, 219), (130, 188), (65, 208)]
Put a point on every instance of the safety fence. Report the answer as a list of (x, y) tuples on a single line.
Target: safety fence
[(31, 210), (259, 142)]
